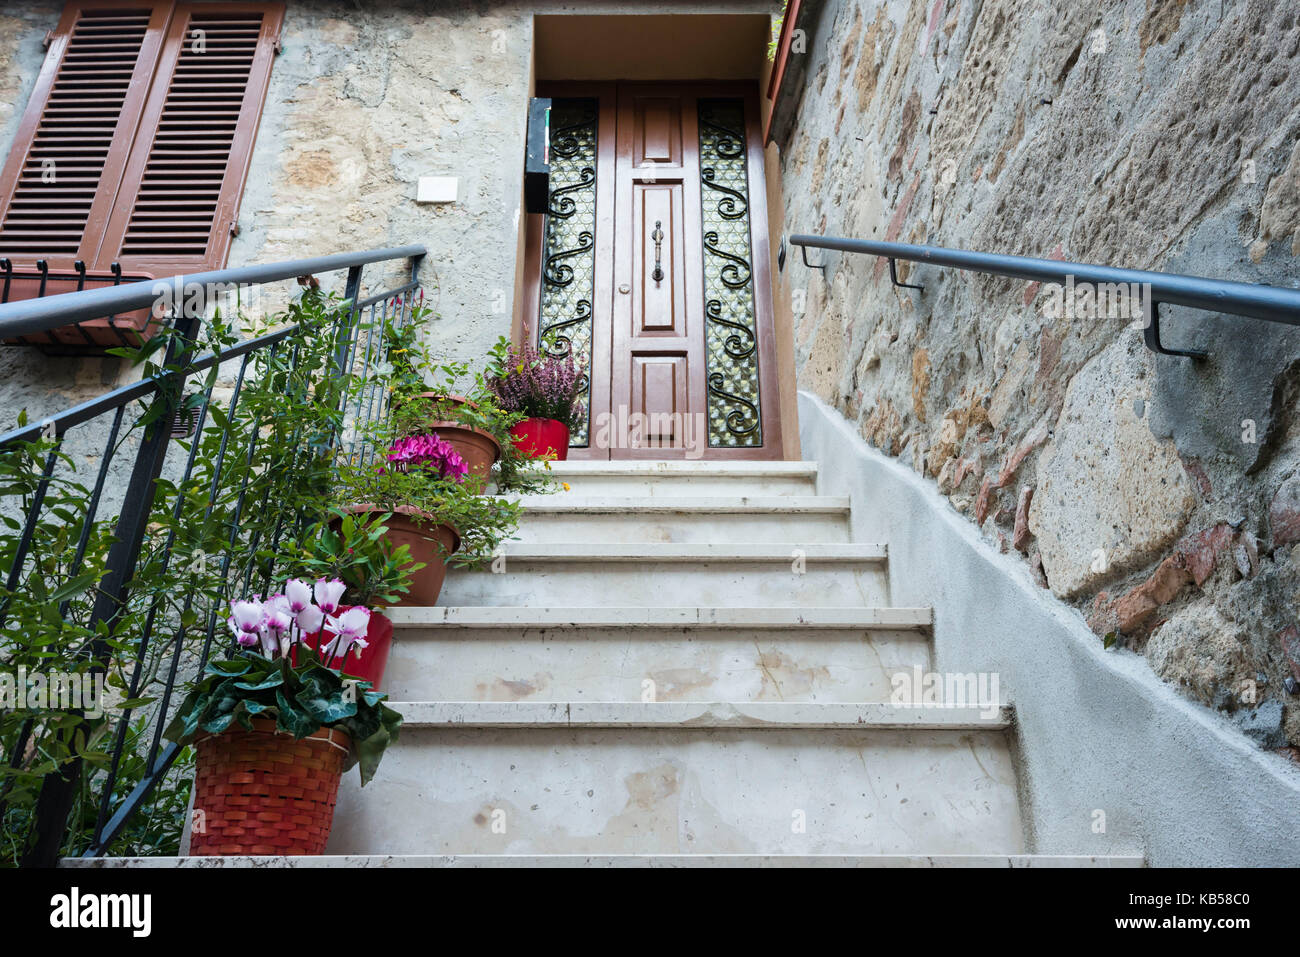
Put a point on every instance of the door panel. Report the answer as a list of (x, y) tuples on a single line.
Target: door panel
[(656, 129), (658, 303), (659, 396), (678, 338)]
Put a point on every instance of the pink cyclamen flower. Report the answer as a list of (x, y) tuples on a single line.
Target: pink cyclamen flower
[(329, 594), (349, 629), (298, 594), (310, 620), (246, 618), (275, 626)]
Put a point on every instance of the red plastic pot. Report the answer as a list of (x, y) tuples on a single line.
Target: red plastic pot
[(542, 437), (374, 658)]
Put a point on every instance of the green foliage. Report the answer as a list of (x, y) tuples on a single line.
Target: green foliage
[(261, 473), (302, 699), (482, 521), (265, 478), (424, 391), (774, 41), (355, 549)]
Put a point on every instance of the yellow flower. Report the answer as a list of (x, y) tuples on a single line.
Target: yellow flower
[(566, 486)]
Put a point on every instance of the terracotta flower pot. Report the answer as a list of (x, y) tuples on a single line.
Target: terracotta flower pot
[(479, 449), (430, 542), (373, 660), (262, 792), (542, 437)]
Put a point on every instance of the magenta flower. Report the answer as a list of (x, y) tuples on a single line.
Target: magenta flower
[(430, 452)]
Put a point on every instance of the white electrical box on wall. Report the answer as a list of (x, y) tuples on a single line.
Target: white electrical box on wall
[(436, 189)]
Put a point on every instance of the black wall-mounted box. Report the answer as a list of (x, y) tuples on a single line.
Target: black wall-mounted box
[(537, 160)]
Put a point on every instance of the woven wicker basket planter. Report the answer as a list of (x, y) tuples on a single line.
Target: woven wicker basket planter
[(262, 792)]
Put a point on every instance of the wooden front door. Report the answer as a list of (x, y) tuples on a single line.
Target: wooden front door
[(651, 269)]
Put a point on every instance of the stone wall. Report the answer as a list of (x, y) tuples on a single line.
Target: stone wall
[(1159, 496)]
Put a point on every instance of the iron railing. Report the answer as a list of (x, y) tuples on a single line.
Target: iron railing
[(1256, 300), (160, 398)]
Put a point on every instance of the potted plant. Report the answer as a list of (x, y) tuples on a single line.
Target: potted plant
[(421, 408), (359, 561), (432, 506), (275, 726), (544, 390), (414, 469)]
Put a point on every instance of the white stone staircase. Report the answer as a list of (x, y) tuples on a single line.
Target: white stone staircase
[(682, 663)]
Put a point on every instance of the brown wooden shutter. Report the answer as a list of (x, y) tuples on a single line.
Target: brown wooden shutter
[(182, 185), (62, 175)]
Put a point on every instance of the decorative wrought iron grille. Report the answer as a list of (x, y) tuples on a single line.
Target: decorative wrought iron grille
[(730, 337), (569, 251)]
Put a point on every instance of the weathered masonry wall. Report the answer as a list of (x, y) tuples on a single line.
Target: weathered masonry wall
[(1159, 497), (364, 100)]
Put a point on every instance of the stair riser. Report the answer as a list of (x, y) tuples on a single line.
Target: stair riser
[(612, 527), (667, 486), (614, 664), (644, 583), (649, 791), (379, 861)]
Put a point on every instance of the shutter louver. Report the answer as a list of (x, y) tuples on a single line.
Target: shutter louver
[(185, 176), (176, 205), (72, 144)]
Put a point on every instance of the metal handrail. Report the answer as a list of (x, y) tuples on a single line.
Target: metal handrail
[(1255, 300), (31, 316)]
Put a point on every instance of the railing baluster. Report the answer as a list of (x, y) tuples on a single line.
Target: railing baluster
[(59, 788), (29, 528), (92, 507), (146, 633)]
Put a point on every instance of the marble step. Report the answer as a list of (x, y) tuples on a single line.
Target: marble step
[(366, 861), (670, 574), (670, 778), (568, 517), (480, 653), (661, 479)]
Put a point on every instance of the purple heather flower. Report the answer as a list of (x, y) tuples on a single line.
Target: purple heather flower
[(540, 386)]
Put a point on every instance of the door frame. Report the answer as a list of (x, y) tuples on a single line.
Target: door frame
[(612, 195)]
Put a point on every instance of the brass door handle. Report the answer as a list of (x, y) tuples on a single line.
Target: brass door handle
[(658, 237)]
